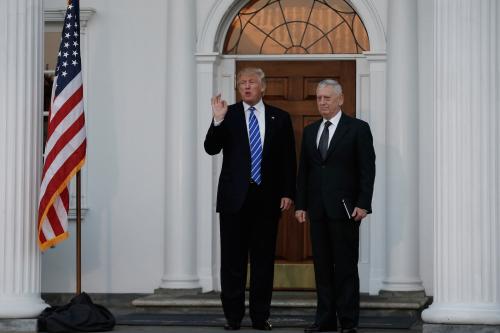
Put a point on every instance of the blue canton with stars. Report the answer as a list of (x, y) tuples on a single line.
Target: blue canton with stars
[(68, 59)]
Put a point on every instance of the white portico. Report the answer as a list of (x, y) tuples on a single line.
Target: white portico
[(427, 84)]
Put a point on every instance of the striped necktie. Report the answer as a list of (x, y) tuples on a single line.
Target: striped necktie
[(255, 146)]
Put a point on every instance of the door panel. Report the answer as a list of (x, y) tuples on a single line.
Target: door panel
[(291, 86)]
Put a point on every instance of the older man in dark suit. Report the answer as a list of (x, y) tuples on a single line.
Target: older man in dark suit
[(256, 183), (335, 188)]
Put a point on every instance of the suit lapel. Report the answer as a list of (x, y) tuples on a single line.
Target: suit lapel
[(269, 117), (312, 140), (342, 129), (242, 123)]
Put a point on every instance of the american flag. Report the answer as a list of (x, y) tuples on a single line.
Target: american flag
[(66, 139)]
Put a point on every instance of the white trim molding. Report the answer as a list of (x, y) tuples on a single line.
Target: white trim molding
[(223, 11), (57, 15)]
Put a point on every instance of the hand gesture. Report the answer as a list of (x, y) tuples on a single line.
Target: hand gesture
[(219, 108)]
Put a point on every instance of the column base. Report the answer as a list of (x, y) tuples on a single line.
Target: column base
[(207, 283), (178, 292), (448, 328), (463, 314), (180, 282), (18, 325), (21, 306), (401, 285), (403, 294)]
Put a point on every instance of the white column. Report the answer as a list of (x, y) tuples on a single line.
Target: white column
[(21, 69), (377, 119), (207, 226), (180, 207), (467, 164), (402, 271)]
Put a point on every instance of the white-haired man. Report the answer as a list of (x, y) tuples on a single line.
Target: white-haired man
[(335, 188)]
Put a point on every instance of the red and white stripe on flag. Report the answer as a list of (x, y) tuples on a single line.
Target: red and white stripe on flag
[(66, 139)]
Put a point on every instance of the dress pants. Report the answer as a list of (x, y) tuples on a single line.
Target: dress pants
[(335, 247), (252, 233)]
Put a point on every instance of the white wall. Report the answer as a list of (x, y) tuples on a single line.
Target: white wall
[(123, 230)]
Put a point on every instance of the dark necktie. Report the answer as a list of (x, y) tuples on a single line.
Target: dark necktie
[(323, 140)]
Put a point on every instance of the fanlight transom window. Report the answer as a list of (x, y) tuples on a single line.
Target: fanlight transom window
[(296, 27)]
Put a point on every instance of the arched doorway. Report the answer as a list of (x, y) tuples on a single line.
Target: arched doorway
[(217, 70)]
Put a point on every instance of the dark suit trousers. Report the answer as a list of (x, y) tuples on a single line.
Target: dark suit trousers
[(250, 232), (335, 245)]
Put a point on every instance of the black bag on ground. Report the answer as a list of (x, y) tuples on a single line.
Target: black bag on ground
[(80, 315)]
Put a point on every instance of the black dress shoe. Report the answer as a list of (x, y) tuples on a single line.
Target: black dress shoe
[(349, 330), (311, 329), (263, 325), (232, 326), (316, 328)]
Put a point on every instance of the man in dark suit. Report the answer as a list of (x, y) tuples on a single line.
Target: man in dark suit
[(335, 188), (257, 182)]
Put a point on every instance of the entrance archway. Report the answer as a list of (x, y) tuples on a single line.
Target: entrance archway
[(216, 75)]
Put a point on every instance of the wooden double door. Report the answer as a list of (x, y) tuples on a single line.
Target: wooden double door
[(291, 86)]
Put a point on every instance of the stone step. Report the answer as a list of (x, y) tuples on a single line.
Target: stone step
[(169, 308), (282, 299), (18, 325)]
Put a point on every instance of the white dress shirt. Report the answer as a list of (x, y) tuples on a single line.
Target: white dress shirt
[(331, 130)]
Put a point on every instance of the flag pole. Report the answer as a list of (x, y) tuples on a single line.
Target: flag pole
[(78, 234)]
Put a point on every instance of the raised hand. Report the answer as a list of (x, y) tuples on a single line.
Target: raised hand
[(219, 108)]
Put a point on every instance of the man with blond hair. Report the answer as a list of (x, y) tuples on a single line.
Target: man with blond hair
[(257, 183)]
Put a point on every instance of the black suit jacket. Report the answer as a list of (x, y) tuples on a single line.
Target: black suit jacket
[(347, 173), (278, 166)]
